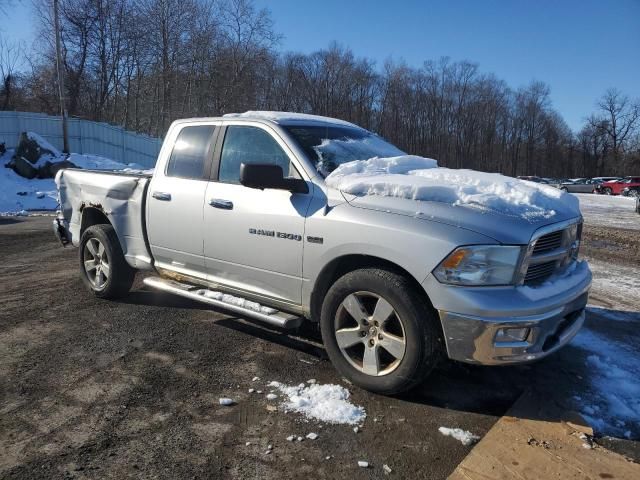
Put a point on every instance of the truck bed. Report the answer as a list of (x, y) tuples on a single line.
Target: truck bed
[(120, 196)]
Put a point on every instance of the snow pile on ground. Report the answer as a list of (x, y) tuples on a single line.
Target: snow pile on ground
[(18, 195), (612, 404), (463, 436), (609, 210), (44, 144), (326, 403), (419, 178)]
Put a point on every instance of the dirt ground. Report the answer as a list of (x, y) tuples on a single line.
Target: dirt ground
[(130, 389)]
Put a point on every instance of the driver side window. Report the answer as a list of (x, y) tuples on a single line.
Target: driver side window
[(250, 145)]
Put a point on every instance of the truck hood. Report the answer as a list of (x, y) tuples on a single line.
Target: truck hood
[(504, 228)]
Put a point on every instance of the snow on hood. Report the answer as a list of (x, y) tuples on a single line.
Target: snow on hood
[(419, 178)]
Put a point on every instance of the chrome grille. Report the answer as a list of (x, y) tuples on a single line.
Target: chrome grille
[(539, 272), (548, 242), (551, 252)]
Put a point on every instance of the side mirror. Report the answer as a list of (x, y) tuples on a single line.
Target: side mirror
[(257, 175)]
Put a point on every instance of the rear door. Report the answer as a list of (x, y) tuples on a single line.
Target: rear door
[(253, 239), (176, 198)]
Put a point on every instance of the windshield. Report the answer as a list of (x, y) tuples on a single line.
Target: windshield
[(330, 146)]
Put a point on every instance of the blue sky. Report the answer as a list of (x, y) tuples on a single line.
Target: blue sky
[(579, 47)]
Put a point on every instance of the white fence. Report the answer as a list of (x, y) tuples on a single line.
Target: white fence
[(84, 137)]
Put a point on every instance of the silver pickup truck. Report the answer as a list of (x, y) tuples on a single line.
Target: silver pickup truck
[(237, 214)]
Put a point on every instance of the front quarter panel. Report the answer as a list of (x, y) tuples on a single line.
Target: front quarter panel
[(416, 245)]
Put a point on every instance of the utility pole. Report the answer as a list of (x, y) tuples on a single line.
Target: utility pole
[(59, 67)]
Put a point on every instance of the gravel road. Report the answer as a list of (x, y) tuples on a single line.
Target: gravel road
[(130, 389)]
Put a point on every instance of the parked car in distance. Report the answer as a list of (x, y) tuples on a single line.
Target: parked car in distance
[(617, 186), (631, 191), (606, 179), (578, 185), (532, 178)]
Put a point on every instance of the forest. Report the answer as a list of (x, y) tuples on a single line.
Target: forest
[(144, 63)]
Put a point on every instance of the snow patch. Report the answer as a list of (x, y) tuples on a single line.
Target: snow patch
[(420, 178), (18, 195), (463, 436), (43, 144), (284, 117), (573, 275), (327, 403), (226, 401), (238, 301), (613, 399), (609, 210)]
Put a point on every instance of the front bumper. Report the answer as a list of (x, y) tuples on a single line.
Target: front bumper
[(474, 320)]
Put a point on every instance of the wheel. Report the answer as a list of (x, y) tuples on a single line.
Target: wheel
[(379, 331), (564, 189), (607, 191), (103, 267)]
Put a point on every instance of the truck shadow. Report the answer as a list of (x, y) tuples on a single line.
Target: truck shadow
[(559, 381)]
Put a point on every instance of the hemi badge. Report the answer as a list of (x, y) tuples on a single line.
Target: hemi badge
[(315, 240)]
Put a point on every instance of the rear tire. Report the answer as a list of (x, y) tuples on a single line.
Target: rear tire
[(395, 342), (103, 267), (607, 191)]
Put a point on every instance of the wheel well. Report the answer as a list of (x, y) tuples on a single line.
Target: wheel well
[(92, 216), (348, 263)]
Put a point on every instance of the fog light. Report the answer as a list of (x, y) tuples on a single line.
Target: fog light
[(512, 334)]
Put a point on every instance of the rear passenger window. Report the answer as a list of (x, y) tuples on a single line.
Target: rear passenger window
[(191, 152), (250, 145)]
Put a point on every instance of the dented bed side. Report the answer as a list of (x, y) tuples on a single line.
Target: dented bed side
[(120, 197)]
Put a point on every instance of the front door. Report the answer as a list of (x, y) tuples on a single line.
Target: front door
[(253, 239), (176, 199)]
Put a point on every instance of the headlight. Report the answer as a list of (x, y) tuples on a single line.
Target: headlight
[(480, 265)]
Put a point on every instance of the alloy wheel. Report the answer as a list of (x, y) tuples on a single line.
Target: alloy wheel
[(96, 263), (370, 333)]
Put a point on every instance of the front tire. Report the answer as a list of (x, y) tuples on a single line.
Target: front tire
[(379, 331), (607, 191), (103, 267)]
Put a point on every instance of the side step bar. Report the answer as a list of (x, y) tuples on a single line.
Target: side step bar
[(199, 294)]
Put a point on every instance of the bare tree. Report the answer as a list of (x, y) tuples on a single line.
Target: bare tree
[(10, 53), (619, 118)]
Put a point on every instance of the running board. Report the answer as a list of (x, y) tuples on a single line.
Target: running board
[(228, 302)]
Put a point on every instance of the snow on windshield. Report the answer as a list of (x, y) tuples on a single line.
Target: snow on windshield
[(334, 152), (420, 178)]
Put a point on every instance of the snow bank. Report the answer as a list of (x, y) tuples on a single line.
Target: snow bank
[(612, 405), (326, 403), (419, 178), (279, 117), (19, 195), (463, 436), (43, 143), (609, 210)]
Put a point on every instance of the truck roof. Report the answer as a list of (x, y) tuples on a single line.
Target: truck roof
[(282, 118)]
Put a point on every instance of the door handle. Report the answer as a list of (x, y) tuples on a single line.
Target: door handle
[(162, 196), (219, 203)]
